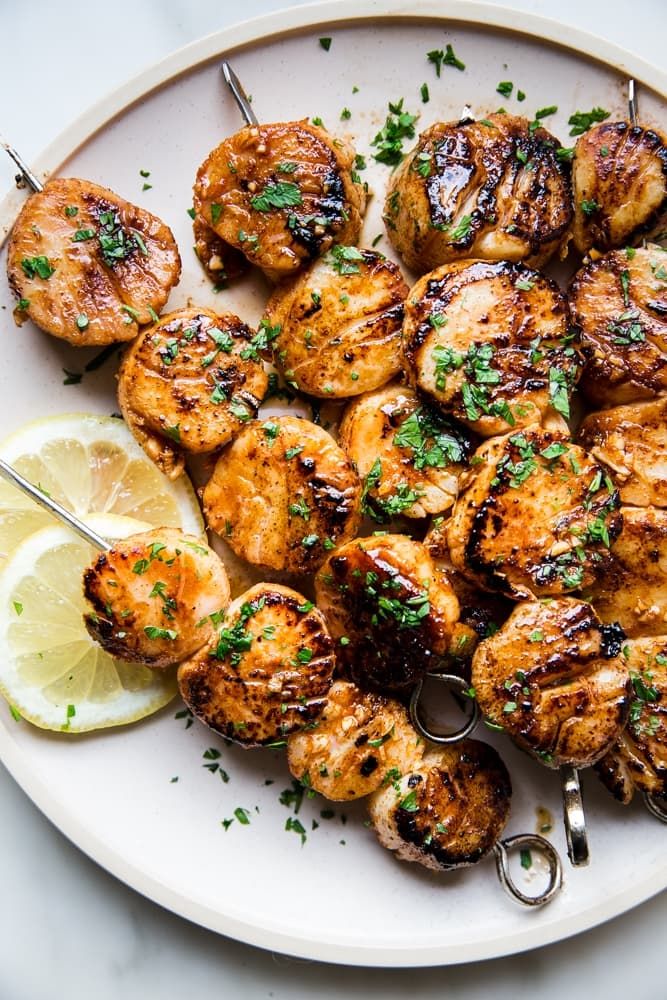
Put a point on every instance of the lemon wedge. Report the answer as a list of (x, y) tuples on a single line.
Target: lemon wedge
[(51, 671), (89, 464)]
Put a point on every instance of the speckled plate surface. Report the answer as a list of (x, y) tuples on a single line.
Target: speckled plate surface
[(337, 897)]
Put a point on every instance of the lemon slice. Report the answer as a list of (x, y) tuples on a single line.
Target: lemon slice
[(89, 464), (51, 672)]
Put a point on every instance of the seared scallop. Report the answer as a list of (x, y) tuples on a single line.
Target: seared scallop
[(389, 609), (537, 518), (619, 181), (553, 678), (339, 323), (360, 741), (190, 383), (631, 441), (490, 344), (633, 588), (493, 189), (268, 671), (620, 304), (221, 262), (283, 495), (410, 457), (155, 597), (282, 194), (638, 759), (88, 266), (449, 810)]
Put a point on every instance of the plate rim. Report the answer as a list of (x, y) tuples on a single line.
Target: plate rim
[(255, 31)]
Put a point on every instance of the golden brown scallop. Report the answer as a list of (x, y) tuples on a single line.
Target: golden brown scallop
[(638, 759), (493, 189), (410, 458), (360, 741), (449, 810), (490, 345), (190, 383), (620, 304), (268, 671), (619, 181), (281, 193), (633, 588), (283, 494), (536, 519), (92, 267), (391, 612), (553, 679), (154, 597), (339, 323), (631, 441)]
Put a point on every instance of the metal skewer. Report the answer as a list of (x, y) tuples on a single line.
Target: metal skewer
[(53, 507), (26, 174), (451, 682), (632, 102), (239, 94), (574, 817)]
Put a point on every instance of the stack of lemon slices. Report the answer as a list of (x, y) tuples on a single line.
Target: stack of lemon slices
[(51, 672)]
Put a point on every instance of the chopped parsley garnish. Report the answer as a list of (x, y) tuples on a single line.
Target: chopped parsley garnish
[(277, 194), (589, 207), (81, 235), (408, 613), (559, 391), (399, 125), (344, 259), (114, 241), (626, 329), (216, 212), (409, 803), (565, 154), (425, 96), (345, 114), (581, 121), (261, 341), (300, 509), (462, 229), (39, 266), (325, 43), (432, 442), (446, 58), (505, 87), (71, 211), (154, 632), (625, 287), (234, 641)]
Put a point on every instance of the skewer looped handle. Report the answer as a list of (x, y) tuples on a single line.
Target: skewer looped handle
[(573, 817), (531, 842), (239, 94), (48, 503), (26, 173), (452, 681), (656, 806)]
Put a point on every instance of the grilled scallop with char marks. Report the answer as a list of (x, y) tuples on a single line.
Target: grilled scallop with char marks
[(620, 304), (339, 323), (389, 609), (268, 671), (633, 588), (283, 494), (152, 597), (92, 267), (553, 679), (449, 810), (493, 189), (189, 384), (410, 458), (536, 519), (490, 344), (638, 759), (619, 181), (631, 441), (360, 742), (282, 194)]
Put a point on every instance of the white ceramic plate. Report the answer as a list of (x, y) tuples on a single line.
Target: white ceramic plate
[(338, 897)]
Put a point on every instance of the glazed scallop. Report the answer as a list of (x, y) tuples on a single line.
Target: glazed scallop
[(190, 383), (268, 671), (620, 304), (221, 262), (633, 588), (536, 519), (619, 181), (361, 741), (283, 495), (339, 323), (389, 609), (553, 678), (490, 345), (282, 194), (91, 267), (638, 759), (631, 441), (410, 458), (154, 597), (449, 810), (492, 189)]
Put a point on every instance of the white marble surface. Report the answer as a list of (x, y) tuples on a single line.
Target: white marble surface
[(66, 927)]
